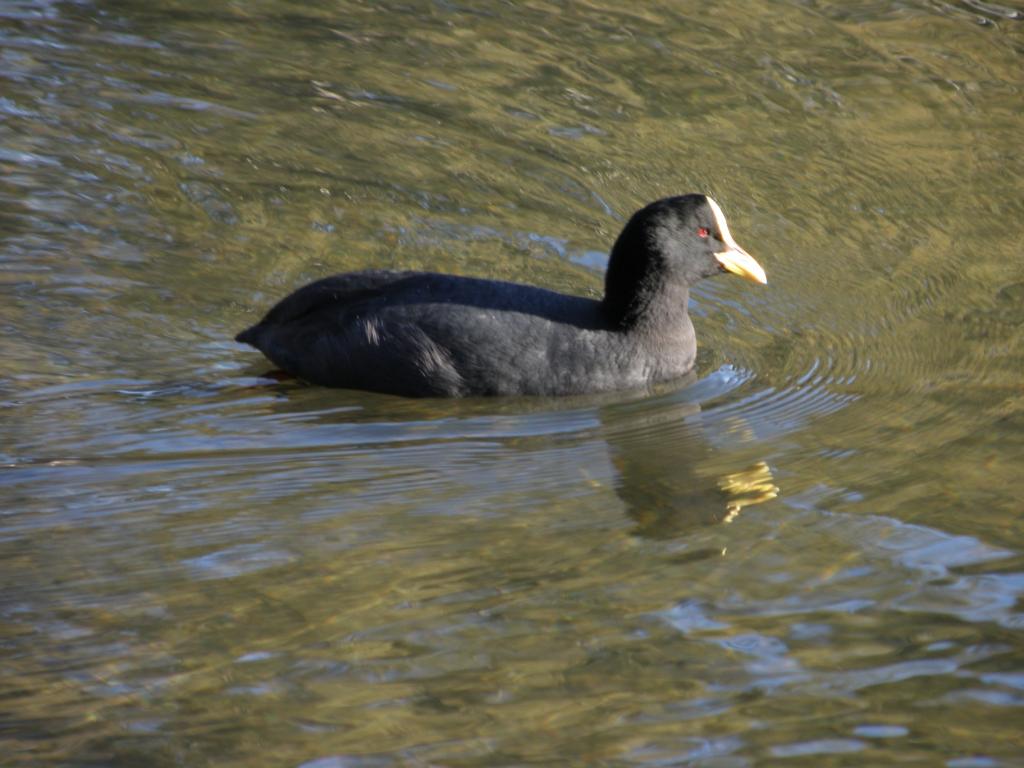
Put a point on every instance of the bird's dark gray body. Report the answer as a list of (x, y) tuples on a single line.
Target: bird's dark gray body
[(427, 334)]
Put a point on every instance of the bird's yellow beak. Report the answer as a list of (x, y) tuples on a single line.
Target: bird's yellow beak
[(741, 263), (734, 259)]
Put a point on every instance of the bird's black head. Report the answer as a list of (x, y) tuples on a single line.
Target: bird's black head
[(665, 248)]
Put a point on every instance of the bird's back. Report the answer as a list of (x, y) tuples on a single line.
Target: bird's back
[(416, 333)]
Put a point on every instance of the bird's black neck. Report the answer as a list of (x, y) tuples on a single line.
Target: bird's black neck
[(636, 293)]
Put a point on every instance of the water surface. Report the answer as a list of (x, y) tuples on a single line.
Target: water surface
[(808, 552)]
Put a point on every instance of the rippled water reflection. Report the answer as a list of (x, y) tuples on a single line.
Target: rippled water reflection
[(811, 550)]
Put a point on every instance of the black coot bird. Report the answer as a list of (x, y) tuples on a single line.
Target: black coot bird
[(435, 335)]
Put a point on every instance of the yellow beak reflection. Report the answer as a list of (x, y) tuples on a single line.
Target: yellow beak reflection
[(748, 487)]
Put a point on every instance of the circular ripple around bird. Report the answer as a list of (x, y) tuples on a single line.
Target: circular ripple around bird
[(803, 362)]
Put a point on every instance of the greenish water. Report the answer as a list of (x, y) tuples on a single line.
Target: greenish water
[(810, 553)]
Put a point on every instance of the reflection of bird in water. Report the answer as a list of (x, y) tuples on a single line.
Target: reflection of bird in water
[(658, 450), (669, 504)]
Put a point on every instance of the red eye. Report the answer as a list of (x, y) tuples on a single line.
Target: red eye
[(702, 232)]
